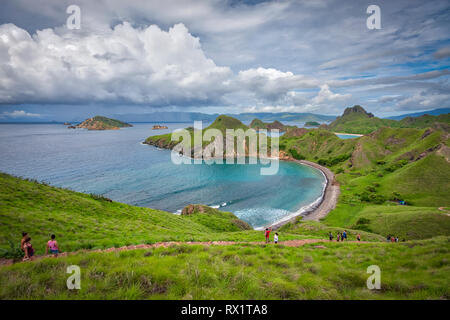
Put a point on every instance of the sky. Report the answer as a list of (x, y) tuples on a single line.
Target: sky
[(226, 56)]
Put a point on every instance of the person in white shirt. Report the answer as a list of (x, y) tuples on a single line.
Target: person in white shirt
[(275, 238)]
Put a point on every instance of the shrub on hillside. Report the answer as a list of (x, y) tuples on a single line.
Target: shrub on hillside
[(296, 155), (372, 197)]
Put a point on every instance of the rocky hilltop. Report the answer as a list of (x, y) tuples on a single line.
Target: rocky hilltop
[(258, 124), (102, 123), (358, 120)]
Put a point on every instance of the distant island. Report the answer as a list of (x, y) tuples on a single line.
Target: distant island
[(158, 127), (102, 123), (312, 124)]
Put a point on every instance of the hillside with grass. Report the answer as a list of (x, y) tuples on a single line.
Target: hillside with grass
[(410, 270), (222, 123), (102, 123), (359, 121), (260, 125), (83, 221), (379, 170)]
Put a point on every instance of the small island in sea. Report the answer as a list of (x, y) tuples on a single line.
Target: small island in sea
[(102, 123), (312, 124), (159, 127)]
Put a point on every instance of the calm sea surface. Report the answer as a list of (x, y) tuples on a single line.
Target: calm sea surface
[(115, 164)]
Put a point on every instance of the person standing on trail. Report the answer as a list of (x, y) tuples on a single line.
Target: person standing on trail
[(358, 237), (22, 241), (267, 234), (330, 236), (338, 237), (392, 239), (28, 249), (344, 235), (275, 238), (52, 245)]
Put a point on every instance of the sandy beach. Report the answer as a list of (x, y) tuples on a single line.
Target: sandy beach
[(327, 202)]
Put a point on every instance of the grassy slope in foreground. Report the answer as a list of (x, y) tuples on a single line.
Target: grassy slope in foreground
[(411, 270), (82, 221)]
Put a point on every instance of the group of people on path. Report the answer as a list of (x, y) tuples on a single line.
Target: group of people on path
[(390, 238), (267, 235), (27, 247), (342, 236)]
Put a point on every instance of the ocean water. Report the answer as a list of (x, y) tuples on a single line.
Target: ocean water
[(347, 136), (117, 165)]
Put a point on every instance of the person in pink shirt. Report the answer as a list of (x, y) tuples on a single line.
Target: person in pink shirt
[(52, 245)]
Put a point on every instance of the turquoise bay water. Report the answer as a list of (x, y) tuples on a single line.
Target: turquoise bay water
[(347, 136), (117, 165)]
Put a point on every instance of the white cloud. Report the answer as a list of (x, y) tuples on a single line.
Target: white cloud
[(423, 100), (142, 66), (271, 84), (325, 95)]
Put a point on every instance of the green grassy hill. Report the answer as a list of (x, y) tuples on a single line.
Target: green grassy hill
[(83, 221), (358, 120), (441, 121), (258, 125), (222, 123), (379, 169)]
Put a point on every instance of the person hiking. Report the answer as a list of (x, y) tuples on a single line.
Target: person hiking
[(275, 238), (358, 237), (338, 236), (392, 239), (388, 238), (22, 241), (344, 235), (28, 249), (396, 239), (267, 234), (331, 236), (52, 245)]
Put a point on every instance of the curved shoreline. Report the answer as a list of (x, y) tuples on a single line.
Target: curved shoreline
[(326, 203), (320, 207)]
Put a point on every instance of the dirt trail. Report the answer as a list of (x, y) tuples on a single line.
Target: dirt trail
[(288, 243)]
